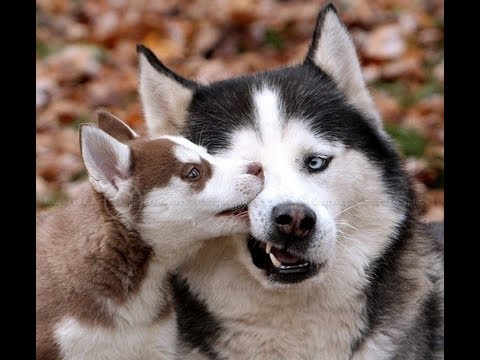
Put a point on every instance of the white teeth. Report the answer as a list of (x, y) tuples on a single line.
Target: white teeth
[(268, 248), (275, 261), (284, 267)]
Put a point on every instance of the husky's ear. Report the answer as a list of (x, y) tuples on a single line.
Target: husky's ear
[(115, 127), (165, 95), (107, 160), (333, 51)]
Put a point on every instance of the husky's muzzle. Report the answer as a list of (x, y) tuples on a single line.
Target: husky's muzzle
[(284, 256)]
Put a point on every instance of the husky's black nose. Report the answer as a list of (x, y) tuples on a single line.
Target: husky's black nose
[(296, 220)]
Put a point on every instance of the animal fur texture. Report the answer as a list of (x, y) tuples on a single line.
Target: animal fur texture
[(103, 261), (368, 278)]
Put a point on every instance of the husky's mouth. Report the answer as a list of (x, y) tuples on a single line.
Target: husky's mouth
[(240, 211), (281, 265)]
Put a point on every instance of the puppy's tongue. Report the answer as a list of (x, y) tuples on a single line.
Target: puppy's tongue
[(284, 256)]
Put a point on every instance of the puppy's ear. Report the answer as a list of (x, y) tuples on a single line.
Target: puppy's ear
[(115, 127), (107, 160), (165, 96), (332, 50)]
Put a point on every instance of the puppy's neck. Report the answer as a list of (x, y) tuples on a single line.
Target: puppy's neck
[(164, 250)]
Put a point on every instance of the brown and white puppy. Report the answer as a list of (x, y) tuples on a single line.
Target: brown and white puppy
[(103, 261)]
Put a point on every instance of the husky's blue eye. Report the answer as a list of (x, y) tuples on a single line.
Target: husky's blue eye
[(317, 163)]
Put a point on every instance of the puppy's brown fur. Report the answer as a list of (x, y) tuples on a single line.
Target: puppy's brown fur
[(103, 266)]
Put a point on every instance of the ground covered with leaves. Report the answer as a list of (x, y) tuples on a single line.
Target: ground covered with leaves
[(86, 60)]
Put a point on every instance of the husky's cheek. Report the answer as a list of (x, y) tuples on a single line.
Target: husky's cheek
[(260, 218), (323, 246)]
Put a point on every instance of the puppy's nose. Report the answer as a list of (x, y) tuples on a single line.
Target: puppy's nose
[(296, 220), (256, 169)]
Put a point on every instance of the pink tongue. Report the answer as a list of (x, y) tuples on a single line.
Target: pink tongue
[(284, 256)]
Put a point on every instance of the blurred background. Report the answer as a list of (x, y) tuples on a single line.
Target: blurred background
[(86, 59)]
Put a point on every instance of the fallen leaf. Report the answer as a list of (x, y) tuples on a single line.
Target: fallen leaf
[(74, 63), (388, 106), (385, 42), (406, 68), (438, 72)]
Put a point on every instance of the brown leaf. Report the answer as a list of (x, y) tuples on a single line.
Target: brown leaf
[(50, 171), (106, 26), (409, 67), (74, 63), (243, 12), (388, 106), (435, 204), (166, 48), (384, 43), (435, 213), (438, 72), (372, 73), (44, 91)]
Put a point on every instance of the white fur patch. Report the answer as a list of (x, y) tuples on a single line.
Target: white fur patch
[(146, 304), (78, 341), (268, 114), (106, 159), (185, 155), (378, 347)]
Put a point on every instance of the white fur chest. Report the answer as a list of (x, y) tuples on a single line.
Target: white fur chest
[(288, 324), (285, 333)]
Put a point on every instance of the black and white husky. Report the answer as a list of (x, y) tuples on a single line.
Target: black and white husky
[(337, 265)]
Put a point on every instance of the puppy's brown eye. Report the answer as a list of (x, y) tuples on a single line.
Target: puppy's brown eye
[(193, 174)]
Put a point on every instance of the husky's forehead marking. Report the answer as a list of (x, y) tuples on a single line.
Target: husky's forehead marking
[(276, 129), (268, 115)]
